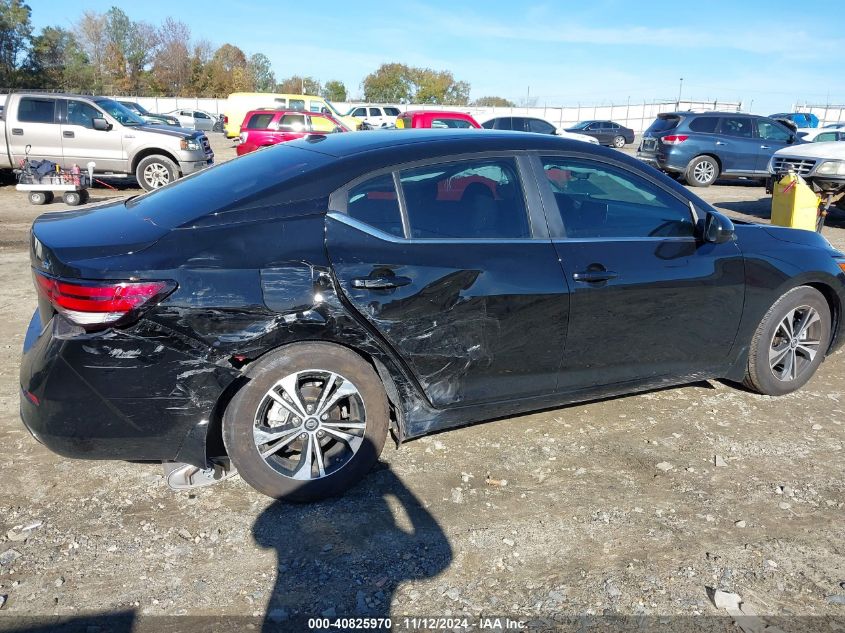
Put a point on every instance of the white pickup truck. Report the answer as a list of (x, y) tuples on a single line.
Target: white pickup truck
[(820, 164), (76, 130)]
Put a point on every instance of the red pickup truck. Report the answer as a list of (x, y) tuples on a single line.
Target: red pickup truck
[(261, 128), (435, 119)]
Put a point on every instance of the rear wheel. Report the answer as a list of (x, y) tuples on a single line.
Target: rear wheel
[(618, 142), (702, 171), (72, 198), (310, 423), (790, 343)]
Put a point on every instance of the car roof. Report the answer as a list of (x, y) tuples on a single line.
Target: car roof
[(435, 112), (452, 141), (278, 111)]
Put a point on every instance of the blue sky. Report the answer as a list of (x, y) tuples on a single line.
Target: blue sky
[(593, 52)]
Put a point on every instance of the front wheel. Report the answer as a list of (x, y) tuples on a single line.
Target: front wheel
[(702, 171), (156, 171), (311, 422), (790, 343), (618, 142)]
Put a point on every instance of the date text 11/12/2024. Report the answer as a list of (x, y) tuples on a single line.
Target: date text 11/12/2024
[(417, 624)]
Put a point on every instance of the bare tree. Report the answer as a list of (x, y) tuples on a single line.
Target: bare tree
[(90, 33), (171, 69)]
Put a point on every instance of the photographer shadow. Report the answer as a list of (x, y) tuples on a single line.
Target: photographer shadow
[(346, 557)]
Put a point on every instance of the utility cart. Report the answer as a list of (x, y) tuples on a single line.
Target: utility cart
[(42, 178)]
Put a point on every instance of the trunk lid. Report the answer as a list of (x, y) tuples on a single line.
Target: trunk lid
[(66, 243)]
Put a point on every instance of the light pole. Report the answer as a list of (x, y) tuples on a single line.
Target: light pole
[(680, 89)]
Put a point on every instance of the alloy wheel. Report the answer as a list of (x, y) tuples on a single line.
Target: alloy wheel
[(156, 175), (795, 343), (310, 424), (704, 172)]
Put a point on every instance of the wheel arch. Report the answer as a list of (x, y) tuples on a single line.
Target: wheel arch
[(835, 304), (834, 301), (709, 155), (151, 151), (214, 446)]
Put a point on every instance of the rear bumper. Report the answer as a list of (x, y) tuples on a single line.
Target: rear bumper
[(665, 160), (116, 394)]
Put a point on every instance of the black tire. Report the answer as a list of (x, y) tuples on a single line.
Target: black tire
[(702, 171), (155, 171), (618, 142), (775, 380), (38, 197), (72, 198), (84, 196), (50, 196), (247, 406)]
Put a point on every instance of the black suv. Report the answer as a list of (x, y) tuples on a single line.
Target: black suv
[(704, 146)]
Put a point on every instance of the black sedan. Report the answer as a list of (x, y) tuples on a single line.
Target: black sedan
[(605, 132), (283, 312)]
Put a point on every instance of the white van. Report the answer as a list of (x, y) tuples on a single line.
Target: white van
[(375, 115)]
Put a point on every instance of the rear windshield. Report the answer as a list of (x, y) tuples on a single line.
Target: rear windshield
[(663, 123), (275, 176)]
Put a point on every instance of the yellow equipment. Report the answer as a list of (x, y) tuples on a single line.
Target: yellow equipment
[(795, 204)]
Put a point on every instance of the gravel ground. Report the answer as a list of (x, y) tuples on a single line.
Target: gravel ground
[(629, 506)]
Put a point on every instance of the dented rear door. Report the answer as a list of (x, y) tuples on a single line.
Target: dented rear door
[(477, 317)]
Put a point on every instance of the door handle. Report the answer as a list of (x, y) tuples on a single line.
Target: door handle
[(765, 147), (595, 276), (720, 143), (17, 131), (68, 134), (380, 283)]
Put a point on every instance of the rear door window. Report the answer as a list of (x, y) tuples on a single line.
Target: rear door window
[(739, 126), (541, 127), (601, 201), (375, 112), (704, 124), (259, 121), (375, 203), (438, 122), (471, 199), (292, 123), (35, 110)]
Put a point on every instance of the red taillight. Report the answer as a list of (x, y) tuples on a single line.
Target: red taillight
[(674, 139), (225, 119), (94, 304)]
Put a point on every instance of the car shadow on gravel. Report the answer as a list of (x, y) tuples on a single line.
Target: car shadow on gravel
[(346, 557)]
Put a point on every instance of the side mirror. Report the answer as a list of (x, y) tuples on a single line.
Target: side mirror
[(718, 229), (791, 138), (100, 123)]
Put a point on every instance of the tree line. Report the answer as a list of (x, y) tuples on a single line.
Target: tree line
[(109, 53)]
